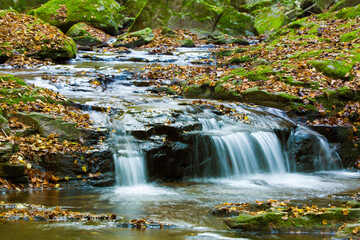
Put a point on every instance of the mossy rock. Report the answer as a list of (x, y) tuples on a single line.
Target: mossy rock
[(82, 36), (328, 221), (195, 91), (101, 14), (252, 7), (333, 68), (46, 124), (344, 13), (132, 8), (21, 6), (221, 93), (135, 39), (270, 19), (349, 231), (235, 23), (49, 41), (187, 43), (344, 4), (261, 97), (347, 37)]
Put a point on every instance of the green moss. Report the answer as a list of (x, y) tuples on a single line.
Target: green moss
[(269, 20), (347, 37), (333, 68), (222, 94), (195, 91), (143, 36), (235, 23), (101, 14), (249, 8), (237, 60), (187, 43)]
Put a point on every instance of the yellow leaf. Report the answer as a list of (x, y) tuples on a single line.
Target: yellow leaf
[(355, 230), (57, 185), (67, 178), (28, 165), (324, 222), (83, 168)]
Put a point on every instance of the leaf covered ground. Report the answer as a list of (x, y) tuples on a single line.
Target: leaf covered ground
[(15, 97)]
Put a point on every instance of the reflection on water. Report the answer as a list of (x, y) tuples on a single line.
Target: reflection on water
[(185, 204)]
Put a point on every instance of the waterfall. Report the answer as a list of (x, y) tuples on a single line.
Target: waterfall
[(230, 150), (130, 166)]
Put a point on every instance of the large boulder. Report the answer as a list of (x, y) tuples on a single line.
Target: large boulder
[(270, 19), (22, 6), (102, 14), (201, 15), (40, 41), (86, 35)]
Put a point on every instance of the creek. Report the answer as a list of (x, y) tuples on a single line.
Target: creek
[(222, 159)]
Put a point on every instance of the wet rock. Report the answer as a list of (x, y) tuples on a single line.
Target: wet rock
[(328, 220), (168, 160), (348, 232), (307, 150), (100, 159), (101, 14), (334, 134), (8, 170), (6, 150)]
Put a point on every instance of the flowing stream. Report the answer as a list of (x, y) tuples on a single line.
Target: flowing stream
[(232, 161)]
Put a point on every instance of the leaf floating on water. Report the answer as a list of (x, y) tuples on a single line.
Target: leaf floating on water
[(355, 230), (83, 168)]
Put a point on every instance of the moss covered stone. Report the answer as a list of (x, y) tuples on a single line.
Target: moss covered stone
[(347, 37), (81, 35), (22, 6), (270, 19), (135, 39), (235, 23), (187, 43), (278, 220), (201, 15), (101, 14), (333, 68), (42, 40)]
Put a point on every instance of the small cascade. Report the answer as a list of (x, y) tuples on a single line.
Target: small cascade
[(230, 152), (224, 149), (130, 166)]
